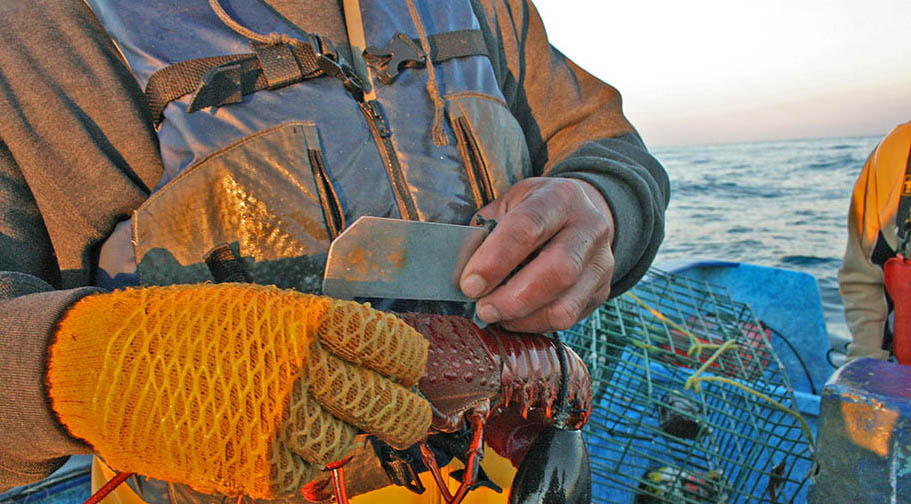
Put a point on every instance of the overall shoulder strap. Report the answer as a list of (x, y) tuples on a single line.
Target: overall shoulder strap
[(903, 215), (220, 80)]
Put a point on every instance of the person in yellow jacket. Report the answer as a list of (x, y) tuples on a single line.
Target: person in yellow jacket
[(872, 240)]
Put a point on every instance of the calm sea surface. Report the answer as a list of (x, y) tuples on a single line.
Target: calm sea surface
[(781, 204)]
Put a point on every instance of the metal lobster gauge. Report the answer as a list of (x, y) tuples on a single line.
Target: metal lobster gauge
[(692, 405)]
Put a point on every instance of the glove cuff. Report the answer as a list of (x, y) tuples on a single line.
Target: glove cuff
[(75, 359)]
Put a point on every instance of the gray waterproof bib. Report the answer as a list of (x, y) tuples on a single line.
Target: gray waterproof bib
[(277, 173)]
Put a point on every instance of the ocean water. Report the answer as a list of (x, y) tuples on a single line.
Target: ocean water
[(781, 204)]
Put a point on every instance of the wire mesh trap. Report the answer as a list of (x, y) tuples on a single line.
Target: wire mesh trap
[(691, 403)]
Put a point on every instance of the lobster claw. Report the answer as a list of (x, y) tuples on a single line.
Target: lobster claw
[(555, 470)]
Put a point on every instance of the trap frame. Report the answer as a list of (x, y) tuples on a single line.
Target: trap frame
[(692, 405)]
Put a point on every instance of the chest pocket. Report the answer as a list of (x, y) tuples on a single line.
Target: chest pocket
[(491, 143), (268, 196)]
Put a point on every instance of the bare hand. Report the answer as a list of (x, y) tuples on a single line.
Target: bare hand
[(566, 228)]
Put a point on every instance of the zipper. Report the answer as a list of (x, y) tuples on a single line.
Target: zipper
[(376, 121), (333, 66), (475, 167), (332, 207)]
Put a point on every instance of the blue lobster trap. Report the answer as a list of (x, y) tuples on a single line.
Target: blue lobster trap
[(692, 405)]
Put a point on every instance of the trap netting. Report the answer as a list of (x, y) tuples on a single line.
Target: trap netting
[(691, 403)]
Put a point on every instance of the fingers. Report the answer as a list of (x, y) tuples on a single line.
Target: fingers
[(376, 340), (566, 228), (564, 262), (367, 400), (524, 223), (288, 473), (577, 302), (308, 438), (313, 433)]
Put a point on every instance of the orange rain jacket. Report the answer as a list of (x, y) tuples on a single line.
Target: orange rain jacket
[(872, 240)]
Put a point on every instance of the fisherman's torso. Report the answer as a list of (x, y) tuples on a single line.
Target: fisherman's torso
[(279, 173)]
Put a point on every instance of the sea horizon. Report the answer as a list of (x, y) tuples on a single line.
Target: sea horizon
[(762, 141), (778, 203)]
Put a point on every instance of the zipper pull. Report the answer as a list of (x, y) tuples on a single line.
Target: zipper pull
[(376, 113)]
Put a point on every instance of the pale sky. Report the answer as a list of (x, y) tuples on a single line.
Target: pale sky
[(714, 71)]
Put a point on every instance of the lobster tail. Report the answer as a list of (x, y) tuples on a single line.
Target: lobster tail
[(556, 470)]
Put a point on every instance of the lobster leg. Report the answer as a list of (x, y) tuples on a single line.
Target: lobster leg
[(475, 454), (430, 462), (472, 464), (338, 480)]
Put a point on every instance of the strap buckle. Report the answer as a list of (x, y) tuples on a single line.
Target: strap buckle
[(387, 61), (904, 237), (334, 66), (340, 69), (280, 67)]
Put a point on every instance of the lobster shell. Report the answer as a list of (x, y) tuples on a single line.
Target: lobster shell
[(519, 375)]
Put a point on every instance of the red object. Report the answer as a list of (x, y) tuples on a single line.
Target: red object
[(753, 360), (897, 276), (338, 480), (108, 487)]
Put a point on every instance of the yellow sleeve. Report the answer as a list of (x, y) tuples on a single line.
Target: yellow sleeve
[(871, 217)]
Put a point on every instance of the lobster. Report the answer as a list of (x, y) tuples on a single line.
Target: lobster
[(525, 395)]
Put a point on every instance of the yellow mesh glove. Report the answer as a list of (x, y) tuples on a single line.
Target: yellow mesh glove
[(233, 388)]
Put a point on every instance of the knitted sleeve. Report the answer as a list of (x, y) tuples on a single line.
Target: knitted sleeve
[(32, 442), (73, 159)]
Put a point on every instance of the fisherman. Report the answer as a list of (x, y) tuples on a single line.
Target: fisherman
[(151, 148), (877, 224)]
